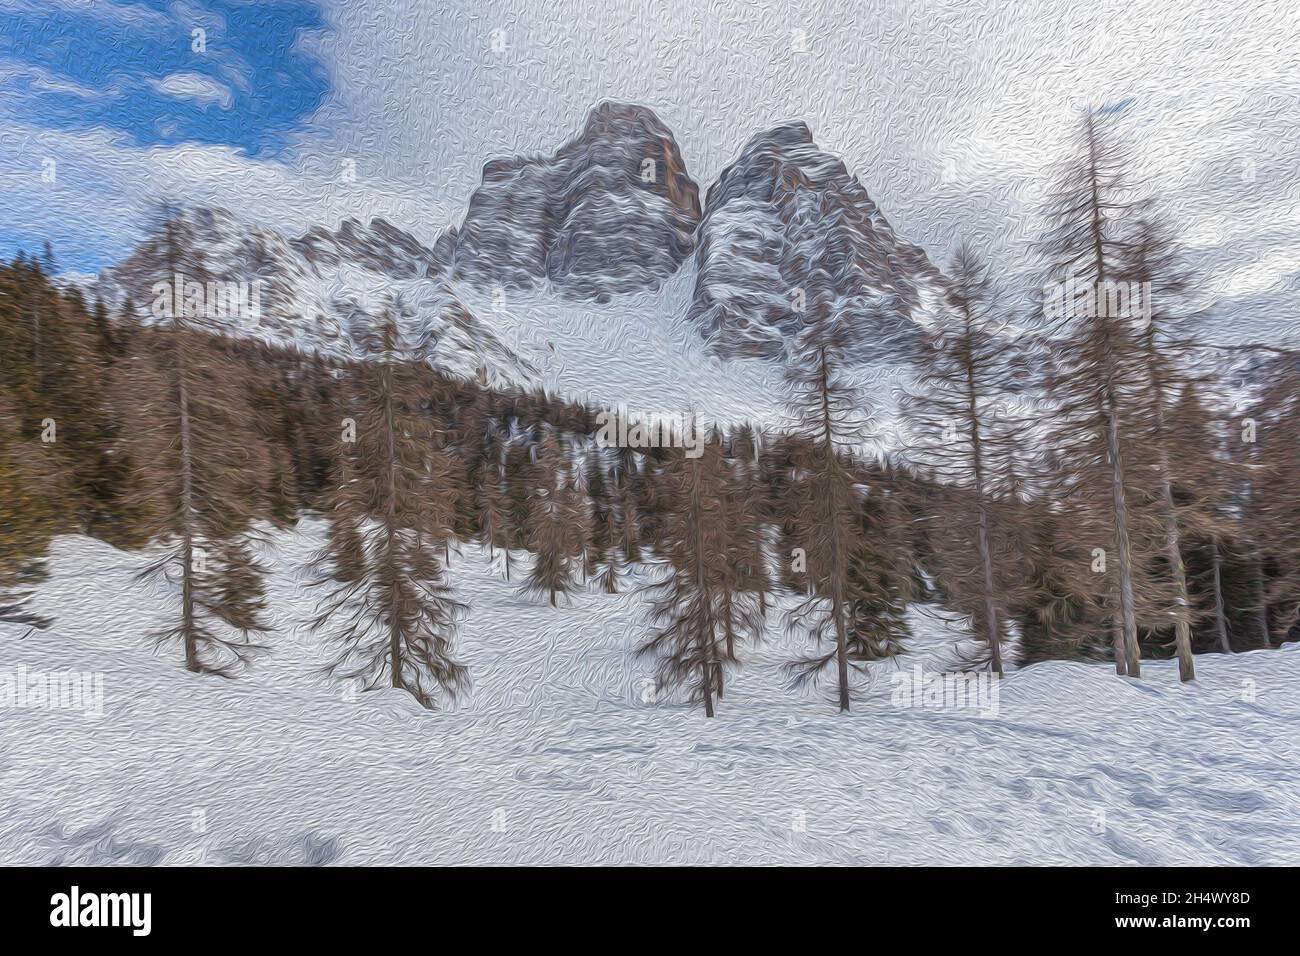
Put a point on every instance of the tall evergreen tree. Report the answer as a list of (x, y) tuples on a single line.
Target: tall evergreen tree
[(964, 439), (394, 612), (828, 409), (1096, 378), (1150, 262), (200, 466)]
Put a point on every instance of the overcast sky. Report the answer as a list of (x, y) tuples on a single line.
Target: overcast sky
[(949, 112)]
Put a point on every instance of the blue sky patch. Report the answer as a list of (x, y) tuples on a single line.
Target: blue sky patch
[(162, 73)]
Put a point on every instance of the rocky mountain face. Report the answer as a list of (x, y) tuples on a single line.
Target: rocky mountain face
[(612, 211), (316, 292), (380, 247), (786, 230)]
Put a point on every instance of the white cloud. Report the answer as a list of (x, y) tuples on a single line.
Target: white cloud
[(104, 185), (896, 89), (195, 87), (40, 80), (1268, 273), (420, 100)]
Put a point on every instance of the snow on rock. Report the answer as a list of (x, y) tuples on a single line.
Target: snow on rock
[(786, 230), (612, 211), (580, 271), (306, 292), (563, 754)]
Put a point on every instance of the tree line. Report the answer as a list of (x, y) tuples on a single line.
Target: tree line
[(1076, 494)]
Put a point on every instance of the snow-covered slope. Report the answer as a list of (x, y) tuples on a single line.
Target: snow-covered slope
[(787, 230), (639, 351), (561, 754), (309, 291), (612, 211)]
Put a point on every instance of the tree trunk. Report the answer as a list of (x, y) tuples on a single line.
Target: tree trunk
[(727, 611), (188, 623), (836, 569), (1111, 411), (186, 510), (1261, 603), (390, 532), (1128, 614), (37, 359), (702, 584), (993, 634), (1220, 620), (841, 648), (1182, 606), (990, 607), (1173, 545), (1117, 635)]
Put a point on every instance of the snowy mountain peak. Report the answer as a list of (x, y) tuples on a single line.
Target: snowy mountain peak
[(611, 211), (380, 247), (787, 219), (312, 292)]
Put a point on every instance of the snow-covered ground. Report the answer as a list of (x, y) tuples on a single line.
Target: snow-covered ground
[(562, 755)]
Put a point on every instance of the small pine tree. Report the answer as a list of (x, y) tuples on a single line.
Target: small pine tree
[(554, 525), (698, 610)]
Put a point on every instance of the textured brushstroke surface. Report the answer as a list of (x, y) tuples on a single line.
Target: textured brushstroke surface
[(558, 757), (508, 432)]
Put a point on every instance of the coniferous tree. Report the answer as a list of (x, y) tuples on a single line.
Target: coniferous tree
[(965, 439), (881, 585), (604, 524), (520, 480), (345, 551), (26, 519), (1150, 262), (828, 409), (698, 609), (1095, 380), (554, 529), (626, 480), (1266, 440), (200, 466), (495, 519), (748, 542), (1206, 501), (395, 511)]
